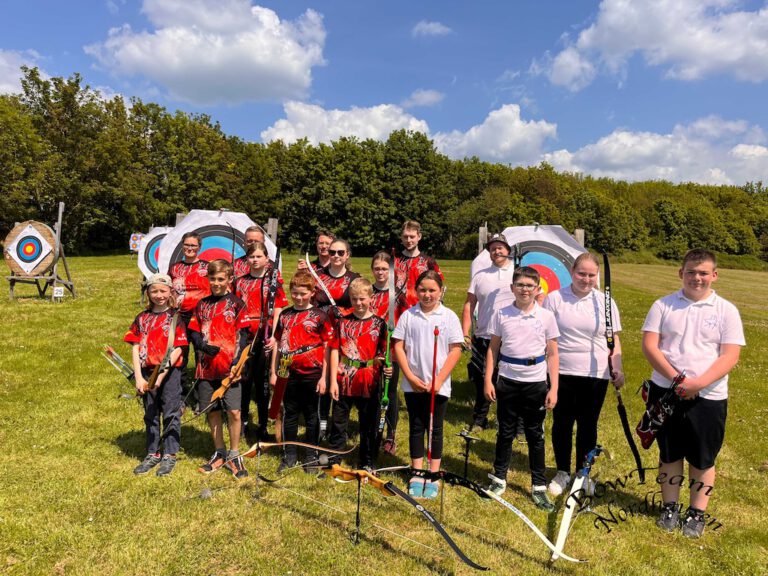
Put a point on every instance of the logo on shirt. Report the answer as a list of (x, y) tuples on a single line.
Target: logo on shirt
[(711, 322)]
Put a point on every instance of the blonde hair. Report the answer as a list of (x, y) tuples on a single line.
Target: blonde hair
[(361, 285)]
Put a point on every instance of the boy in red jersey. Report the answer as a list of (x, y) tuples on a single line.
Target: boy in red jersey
[(302, 334), (411, 262), (219, 331), (356, 353)]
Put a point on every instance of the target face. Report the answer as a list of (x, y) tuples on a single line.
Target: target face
[(216, 244), (135, 241), (149, 250), (29, 249)]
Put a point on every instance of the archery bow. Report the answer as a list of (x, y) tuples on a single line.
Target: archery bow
[(117, 362), (611, 345), (388, 361), (165, 363)]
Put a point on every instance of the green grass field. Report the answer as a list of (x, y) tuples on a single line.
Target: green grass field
[(70, 504)]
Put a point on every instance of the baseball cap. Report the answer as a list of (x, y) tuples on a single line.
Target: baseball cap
[(163, 279), (498, 237)]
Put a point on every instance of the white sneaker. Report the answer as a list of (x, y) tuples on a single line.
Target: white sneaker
[(559, 483), (497, 485)]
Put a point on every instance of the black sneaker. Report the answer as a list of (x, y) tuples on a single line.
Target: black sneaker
[(285, 466), (216, 462), (693, 523), (149, 462), (167, 464), (669, 518), (541, 501)]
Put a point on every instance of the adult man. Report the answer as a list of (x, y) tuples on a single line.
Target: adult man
[(488, 291)]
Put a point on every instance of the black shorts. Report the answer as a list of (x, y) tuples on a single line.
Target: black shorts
[(694, 432), (230, 401)]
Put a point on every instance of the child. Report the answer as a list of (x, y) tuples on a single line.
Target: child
[(220, 331), (411, 263), (413, 341), (253, 290), (694, 330), (302, 333), (380, 307), (151, 337), (241, 265), (356, 353), (524, 345)]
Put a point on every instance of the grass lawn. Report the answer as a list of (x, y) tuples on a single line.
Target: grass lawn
[(70, 505)]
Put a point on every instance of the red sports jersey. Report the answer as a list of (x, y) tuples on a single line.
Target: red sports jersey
[(241, 266), (190, 283), (338, 287), (218, 318), (380, 304), (150, 331), (254, 292), (361, 340), (407, 271), (297, 329)]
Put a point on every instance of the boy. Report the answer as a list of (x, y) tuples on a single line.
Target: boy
[(220, 331), (302, 334), (411, 263), (355, 361), (524, 345), (694, 330)]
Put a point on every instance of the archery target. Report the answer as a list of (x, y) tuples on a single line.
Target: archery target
[(149, 250), (29, 248), (134, 241)]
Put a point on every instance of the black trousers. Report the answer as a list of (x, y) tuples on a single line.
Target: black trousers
[(255, 386), (579, 401), (393, 410), (515, 399), (418, 404), (367, 409), (476, 373), (165, 403), (300, 399), (186, 381)]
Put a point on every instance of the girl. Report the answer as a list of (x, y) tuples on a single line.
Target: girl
[(254, 292), (580, 313), (152, 337), (413, 341)]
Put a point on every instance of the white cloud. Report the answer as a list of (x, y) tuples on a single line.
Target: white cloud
[(208, 52), (423, 98), (320, 125), (502, 137), (690, 39), (709, 150), (10, 69), (425, 28)]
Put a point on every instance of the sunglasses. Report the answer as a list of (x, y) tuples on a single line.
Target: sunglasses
[(336, 252)]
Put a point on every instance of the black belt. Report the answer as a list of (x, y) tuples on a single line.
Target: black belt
[(302, 350), (530, 361)]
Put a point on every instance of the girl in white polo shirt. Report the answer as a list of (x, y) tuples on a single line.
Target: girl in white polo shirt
[(413, 341), (524, 344), (580, 313)]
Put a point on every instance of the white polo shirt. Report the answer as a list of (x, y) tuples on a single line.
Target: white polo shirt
[(581, 347), (523, 335), (691, 334), (492, 288), (417, 331)]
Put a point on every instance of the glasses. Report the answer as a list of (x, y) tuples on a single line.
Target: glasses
[(191, 246), (336, 252), (525, 287)]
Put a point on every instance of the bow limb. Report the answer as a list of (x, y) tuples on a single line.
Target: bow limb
[(259, 447)]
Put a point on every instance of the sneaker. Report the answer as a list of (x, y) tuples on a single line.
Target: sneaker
[(539, 497), (167, 464), (216, 462), (497, 485), (559, 483), (284, 466), (669, 518), (693, 523), (390, 446), (235, 465), (431, 490), (149, 462), (416, 487)]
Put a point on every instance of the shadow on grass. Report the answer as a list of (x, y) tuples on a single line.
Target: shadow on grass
[(195, 443)]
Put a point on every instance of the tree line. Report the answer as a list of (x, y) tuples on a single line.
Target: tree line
[(123, 167)]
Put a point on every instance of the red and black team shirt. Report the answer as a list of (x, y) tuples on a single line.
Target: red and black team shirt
[(242, 267), (338, 287), (190, 283), (407, 271), (254, 292), (218, 319), (359, 339), (298, 329), (150, 331), (380, 304)]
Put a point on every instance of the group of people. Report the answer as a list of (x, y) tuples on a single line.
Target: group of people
[(336, 346)]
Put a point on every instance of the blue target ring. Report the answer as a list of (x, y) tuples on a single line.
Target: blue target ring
[(29, 249), (152, 253), (216, 247), (551, 261)]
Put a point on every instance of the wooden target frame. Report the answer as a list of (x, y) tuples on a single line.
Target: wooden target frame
[(32, 252)]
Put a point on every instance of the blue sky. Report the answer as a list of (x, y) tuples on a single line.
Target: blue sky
[(631, 89)]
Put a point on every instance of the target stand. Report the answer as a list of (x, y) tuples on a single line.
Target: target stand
[(32, 252)]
